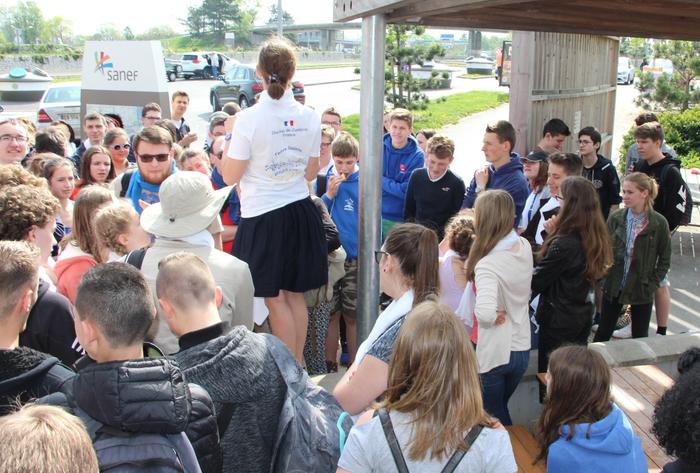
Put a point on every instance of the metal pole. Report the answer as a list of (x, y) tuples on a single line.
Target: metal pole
[(371, 152), (279, 18)]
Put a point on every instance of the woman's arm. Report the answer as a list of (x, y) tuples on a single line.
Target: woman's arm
[(359, 387), (231, 169), (485, 308), (312, 168)]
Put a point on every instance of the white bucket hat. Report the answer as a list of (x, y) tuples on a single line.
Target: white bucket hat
[(188, 204)]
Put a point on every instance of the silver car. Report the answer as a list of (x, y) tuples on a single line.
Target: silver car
[(60, 102)]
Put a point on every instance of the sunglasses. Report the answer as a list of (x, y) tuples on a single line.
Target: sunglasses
[(120, 147), (147, 158), (378, 255)]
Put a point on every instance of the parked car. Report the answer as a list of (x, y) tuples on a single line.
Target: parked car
[(241, 85), (195, 64), (625, 70), (173, 69), (60, 102), (659, 66), (480, 65)]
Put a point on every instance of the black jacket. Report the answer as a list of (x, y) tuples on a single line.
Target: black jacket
[(603, 175), (672, 191), (149, 395), (50, 327), (566, 305), (26, 374)]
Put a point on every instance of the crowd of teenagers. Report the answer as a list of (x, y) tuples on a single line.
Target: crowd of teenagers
[(167, 305)]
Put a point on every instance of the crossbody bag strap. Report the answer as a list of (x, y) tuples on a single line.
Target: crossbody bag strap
[(392, 441), (459, 454)]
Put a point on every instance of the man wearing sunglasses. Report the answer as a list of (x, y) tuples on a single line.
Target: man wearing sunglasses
[(154, 161)]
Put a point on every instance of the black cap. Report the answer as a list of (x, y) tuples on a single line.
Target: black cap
[(537, 156)]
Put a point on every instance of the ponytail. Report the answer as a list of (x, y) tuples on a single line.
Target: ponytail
[(417, 264), (277, 63)]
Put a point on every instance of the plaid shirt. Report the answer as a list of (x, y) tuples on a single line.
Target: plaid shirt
[(635, 225)]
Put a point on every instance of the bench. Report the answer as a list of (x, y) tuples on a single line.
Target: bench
[(525, 450), (636, 389)]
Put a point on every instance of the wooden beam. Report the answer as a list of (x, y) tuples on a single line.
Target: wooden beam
[(441, 7)]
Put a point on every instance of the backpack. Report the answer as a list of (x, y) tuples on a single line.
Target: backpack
[(312, 426), (688, 210), (118, 451), (397, 454)]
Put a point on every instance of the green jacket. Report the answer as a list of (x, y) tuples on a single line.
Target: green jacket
[(651, 259)]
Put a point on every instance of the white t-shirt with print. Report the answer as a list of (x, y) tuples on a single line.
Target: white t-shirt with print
[(551, 204), (278, 137)]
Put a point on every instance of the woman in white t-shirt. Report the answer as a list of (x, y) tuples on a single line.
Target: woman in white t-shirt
[(433, 406), (273, 150)]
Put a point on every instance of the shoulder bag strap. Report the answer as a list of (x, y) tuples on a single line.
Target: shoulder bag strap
[(459, 454), (392, 441)]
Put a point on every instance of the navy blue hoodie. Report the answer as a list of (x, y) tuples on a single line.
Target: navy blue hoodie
[(397, 167), (608, 445), (509, 178)]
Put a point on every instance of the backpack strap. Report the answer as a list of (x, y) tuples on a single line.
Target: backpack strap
[(223, 418), (321, 184), (136, 257), (392, 441), (125, 181), (459, 454)]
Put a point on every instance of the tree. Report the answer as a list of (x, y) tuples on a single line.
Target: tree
[(676, 91), (24, 21), (401, 89), (158, 32), (214, 18), (107, 32), (57, 30), (287, 19), (636, 48)]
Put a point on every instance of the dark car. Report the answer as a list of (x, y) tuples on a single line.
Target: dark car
[(241, 85), (173, 69)]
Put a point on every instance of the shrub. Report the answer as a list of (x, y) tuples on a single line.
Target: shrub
[(682, 133)]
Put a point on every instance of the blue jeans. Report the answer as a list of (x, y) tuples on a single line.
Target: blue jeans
[(499, 384)]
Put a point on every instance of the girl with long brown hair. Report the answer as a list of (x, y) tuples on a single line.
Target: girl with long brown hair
[(408, 263), (500, 266), (573, 258), (95, 168), (580, 428), (642, 250), (433, 405), (81, 249)]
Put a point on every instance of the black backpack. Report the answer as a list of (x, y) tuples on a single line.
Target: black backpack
[(688, 211)]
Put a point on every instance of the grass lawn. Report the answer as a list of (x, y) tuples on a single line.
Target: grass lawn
[(454, 108)]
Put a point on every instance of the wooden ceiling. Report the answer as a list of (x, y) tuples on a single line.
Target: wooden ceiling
[(672, 19)]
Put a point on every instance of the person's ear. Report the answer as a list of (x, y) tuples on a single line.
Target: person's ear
[(168, 309), (123, 239), (218, 296), (87, 334), (26, 300), (31, 234)]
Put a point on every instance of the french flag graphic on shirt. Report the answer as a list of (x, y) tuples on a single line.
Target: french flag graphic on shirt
[(289, 123)]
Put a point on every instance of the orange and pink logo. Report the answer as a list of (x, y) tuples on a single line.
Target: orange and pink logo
[(102, 62)]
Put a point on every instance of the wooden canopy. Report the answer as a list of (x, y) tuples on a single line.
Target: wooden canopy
[(672, 19)]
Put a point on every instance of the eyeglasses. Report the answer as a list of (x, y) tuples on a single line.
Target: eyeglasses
[(120, 147), (378, 255), (147, 158), (152, 118), (325, 145), (330, 123), (18, 138)]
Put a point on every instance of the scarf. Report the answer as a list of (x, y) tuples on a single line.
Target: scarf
[(397, 309), (137, 186)]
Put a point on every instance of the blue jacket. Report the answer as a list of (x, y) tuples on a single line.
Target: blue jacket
[(398, 164), (509, 178), (610, 446), (345, 211)]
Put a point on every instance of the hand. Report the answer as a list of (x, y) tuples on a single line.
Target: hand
[(333, 184), (143, 204), (228, 124), (551, 224), (500, 317), (481, 176), (188, 139)]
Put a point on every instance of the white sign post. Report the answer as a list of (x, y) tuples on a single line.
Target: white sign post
[(121, 77)]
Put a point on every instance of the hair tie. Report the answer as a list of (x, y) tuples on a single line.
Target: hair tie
[(274, 78)]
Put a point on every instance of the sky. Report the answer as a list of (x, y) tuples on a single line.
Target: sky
[(141, 15)]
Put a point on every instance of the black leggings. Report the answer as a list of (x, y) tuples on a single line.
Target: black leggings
[(641, 316)]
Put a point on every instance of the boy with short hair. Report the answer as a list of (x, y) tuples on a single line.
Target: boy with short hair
[(342, 199), (402, 155), (599, 170), (554, 133), (434, 193)]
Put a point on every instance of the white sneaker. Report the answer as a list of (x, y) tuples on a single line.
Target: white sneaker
[(594, 328), (624, 332)]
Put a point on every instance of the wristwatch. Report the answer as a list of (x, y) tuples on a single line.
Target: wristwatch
[(478, 189), (227, 136)]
